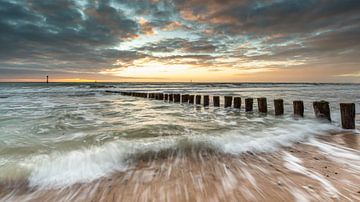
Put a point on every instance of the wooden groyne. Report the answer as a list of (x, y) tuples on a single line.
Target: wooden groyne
[(321, 108)]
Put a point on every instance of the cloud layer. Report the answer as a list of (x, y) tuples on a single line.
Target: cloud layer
[(87, 38)]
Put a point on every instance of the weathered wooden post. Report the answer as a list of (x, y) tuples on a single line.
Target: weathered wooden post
[(237, 102), (206, 100), (171, 97), (185, 98), (298, 106), (322, 110), (228, 101), (191, 99), (249, 102), (347, 115), (262, 105), (216, 101), (161, 96), (166, 97), (279, 107), (177, 98), (198, 99)]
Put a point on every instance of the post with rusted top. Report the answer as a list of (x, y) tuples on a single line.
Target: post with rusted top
[(322, 110), (237, 102), (185, 98), (279, 107), (177, 98), (249, 102), (262, 105), (216, 101), (191, 99), (198, 99), (347, 115), (206, 100), (298, 106), (228, 101)]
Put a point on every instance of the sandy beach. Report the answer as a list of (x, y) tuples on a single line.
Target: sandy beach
[(323, 169)]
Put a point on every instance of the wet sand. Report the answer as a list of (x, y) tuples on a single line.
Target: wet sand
[(323, 169)]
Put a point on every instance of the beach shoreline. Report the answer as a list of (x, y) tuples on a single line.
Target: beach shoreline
[(306, 171)]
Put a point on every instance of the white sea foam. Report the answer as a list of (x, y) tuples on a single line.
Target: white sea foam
[(339, 154), (295, 164), (269, 139), (87, 164)]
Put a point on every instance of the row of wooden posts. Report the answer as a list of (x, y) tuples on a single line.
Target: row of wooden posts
[(321, 108)]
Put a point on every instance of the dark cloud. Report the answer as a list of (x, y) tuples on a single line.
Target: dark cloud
[(60, 34)]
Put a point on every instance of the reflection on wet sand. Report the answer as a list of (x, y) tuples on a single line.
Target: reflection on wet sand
[(304, 172)]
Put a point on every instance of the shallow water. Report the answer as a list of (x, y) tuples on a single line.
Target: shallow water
[(56, 135)]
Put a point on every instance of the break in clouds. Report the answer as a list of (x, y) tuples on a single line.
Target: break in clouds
[(71, 37)]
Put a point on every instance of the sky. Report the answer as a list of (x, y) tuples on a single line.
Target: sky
[(180, 40)]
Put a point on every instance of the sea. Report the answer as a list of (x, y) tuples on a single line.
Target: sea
[(60, 134)]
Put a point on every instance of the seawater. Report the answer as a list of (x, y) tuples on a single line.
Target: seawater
[(57, 134)]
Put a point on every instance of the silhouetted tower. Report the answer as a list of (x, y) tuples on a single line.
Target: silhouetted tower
[(47, 79)]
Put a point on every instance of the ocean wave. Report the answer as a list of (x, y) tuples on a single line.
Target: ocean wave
[(84, 165)]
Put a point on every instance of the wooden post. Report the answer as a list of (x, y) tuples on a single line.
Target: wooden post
[(216, 101), (161, 96), (228, 101), (298, 106), (166, 97), (322, 110), (262, 105), (198, 99), (185, 98), (279, 107), (206, 100), (237, 102), (177, 98), (171, 97), (249, 102), (191, 99), (347, 115)]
